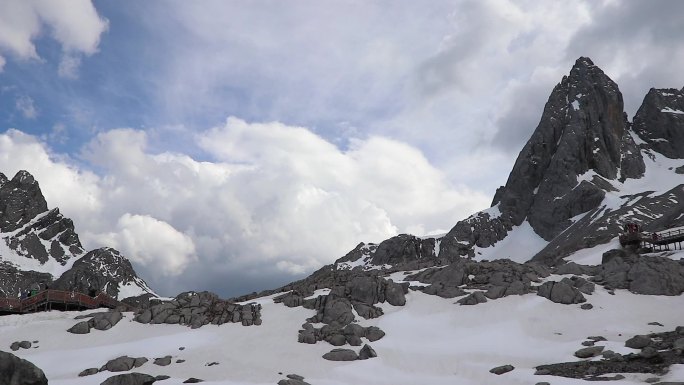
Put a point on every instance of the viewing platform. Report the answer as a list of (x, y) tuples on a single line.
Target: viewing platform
[(58, 300)]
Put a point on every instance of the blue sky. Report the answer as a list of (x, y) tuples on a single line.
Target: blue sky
[(236, 146)]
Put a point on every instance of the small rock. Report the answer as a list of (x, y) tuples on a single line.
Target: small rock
[(609, 354), (211, 363), (295, 377), (374, 333), (596, 338), (648, 352), (586, 306), (589, 352), (163, 361), (638, 342), (129, 379), (542, 372), (655, 324), (192, 380), (651, 380), (179, 361), (473, 298), (341, 355), (499, 370), (82, 327), (367, 352), (88, 372), (181, 348), (542, 383), (161, 377), (588, 343)]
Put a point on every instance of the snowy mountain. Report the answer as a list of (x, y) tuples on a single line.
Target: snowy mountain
[(534, 290), (41, 246)]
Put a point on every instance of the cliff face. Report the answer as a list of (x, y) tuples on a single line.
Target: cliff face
[(41, 245), (660, 122)]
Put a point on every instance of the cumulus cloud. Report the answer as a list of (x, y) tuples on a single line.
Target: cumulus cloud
[(151, 242), (275, 200), (75, 24)]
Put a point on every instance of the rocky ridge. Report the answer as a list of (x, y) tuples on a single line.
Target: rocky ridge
[(41, 246)]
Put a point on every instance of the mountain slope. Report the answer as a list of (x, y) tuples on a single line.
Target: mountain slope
[(41, 246)]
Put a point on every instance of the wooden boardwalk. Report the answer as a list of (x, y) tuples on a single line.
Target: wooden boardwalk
[(670, 239), (57, 300)]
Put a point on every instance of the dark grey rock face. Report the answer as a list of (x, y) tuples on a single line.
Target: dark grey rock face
[(583, 127), (341, 355), (560, 292), (367, 352), (650, 275), (199, 309), (589, 352), (17, 371), (20, 201), (638, 342), (499, 370), (130, 379), (660, 121), (103, 269), (123, 363)]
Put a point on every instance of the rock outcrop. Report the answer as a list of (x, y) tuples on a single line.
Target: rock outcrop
[(199, 309), (659, 122), (17, 371)]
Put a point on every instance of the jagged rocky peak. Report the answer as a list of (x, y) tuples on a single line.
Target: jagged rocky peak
[(581, 143), (660, 121), (20, 201), (30, 229), (105, 270)]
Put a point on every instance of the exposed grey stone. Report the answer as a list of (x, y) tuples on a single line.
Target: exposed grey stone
[(17, 371), (661, 130), (586, 306), (341, 355), (560, 292), (589, 352), (162, 361), (638, 342), (192, 380), (499, 370), (130, 379), (473, 298), (82, 327), (374, 333), (105, 320), (367, 352), (88, 372), (123, 363)]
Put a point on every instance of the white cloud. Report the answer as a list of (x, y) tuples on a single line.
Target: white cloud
[(275, 195), (26, 106), (75, 24), (151, 242)]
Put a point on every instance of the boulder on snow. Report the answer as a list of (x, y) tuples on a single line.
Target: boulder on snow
[(105, 320), (82, 327), (130, 379), (473, 298), (123, 363), (17, 371), (341, 355), (638, 342), (163, 361), (589, 352), (499, 370), (367, 352), (560, 292), (20, 345), (88, 372)]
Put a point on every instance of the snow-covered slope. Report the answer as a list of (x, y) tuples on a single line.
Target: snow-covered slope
[(429, 341)]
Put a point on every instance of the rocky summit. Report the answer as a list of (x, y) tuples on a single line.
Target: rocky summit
[(43, 249), (536, 287)]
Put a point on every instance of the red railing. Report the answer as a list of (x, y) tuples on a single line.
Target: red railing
[(57, 296)]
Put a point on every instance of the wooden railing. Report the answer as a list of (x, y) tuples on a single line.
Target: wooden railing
[(57, 297)]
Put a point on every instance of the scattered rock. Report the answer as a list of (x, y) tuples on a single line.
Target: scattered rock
[(589, 352), (341, 355), (367, 352), (105, 320), (499, 370), (161, 377), (20, 345), (211, 363), (588, 343), (596, 338), (560, 292), (123, 363), (163, 361), (638, 342), (655, 324), (88, 372), (130, 379), (374, 333), (82, 327), (586, 306), (180, 361), (473, 298), (192, 380), (295, 377), (17, 371)]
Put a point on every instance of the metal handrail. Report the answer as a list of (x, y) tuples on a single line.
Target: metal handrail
[(24, 304)]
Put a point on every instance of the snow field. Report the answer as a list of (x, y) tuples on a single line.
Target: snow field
[(429, 341)]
